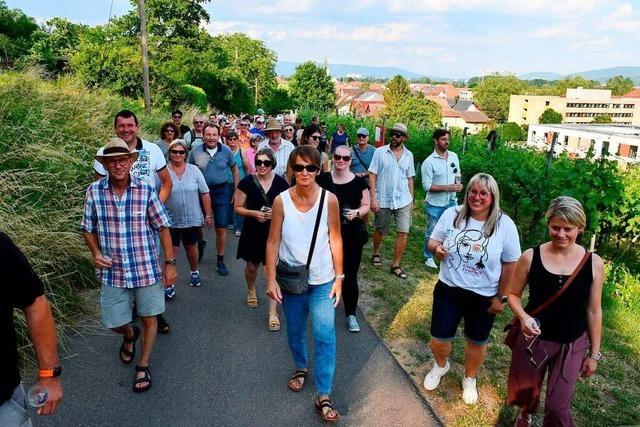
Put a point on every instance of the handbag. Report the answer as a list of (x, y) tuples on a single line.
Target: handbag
[(294, 279), (513, 327)]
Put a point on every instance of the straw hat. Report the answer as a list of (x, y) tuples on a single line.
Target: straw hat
[(116, 147), (273, 125), (400, 127)]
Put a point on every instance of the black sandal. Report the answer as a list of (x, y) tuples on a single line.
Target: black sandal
[(145, 379), (326, 403), (298, 377), (376, 261), (398, 271), (123, 351)]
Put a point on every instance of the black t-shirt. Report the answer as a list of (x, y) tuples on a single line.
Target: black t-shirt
[(20, 287), (349, 194), (183, 130)]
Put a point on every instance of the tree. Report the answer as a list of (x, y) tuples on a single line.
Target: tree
[(511, 132), (312, 87), (550, 117), (601, 119), (396, 92), (278, 101), (492, 95), (17, 32), (418, 111), (620, 85), (560, 87), (60, 38)]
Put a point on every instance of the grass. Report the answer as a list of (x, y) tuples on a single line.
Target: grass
[(401, 311)]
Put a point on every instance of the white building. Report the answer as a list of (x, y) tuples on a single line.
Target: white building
[(618, 143)]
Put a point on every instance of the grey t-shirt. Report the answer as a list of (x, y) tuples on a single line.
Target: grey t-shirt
[(183, 204)]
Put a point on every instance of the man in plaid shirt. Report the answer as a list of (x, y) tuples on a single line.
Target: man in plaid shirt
[(121, 213)]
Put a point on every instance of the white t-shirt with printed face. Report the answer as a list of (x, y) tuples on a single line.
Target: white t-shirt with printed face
[(474, 260), (150, 161)]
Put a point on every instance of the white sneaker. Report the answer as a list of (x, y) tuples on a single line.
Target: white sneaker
[(469, 391), (429, 262), (432, 380)]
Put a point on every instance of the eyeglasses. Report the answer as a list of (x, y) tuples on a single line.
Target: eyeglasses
[(483, 194), (265, 163), (288, 130), (529, 351), (316, 137), (297, 168), (396, 135), (180, 152), (343, 158), (361, 135)]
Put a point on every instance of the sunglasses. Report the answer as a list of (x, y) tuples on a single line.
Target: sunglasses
[(361, 135), (177, 152), (529, 351), (455, 169), (198, 122), (265, 163), (288, 130), (315, 137), (177, 117), (170, 130), (343, 158), (396, 135), (297, 168)]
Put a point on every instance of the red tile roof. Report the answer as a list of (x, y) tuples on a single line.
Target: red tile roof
[(635, 93)]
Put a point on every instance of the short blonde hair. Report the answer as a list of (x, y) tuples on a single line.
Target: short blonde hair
[(567, 209)]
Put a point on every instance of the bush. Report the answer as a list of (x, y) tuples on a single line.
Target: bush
[(193, 95)]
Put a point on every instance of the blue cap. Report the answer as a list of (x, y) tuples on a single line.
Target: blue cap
[(260, 112), (363, 131)]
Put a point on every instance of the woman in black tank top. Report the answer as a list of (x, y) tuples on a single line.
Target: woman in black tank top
[(557, 340)]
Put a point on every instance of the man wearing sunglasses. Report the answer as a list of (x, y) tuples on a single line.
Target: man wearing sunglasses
[(441, 181), (176, 117), (391, 181), (362, 154), (194, 136)]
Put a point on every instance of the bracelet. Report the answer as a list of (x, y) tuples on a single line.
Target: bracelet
[(340, 276), (209, 216)]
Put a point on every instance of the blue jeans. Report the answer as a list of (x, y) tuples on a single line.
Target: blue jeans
[(433, 214), (14, 411), (296, 310)]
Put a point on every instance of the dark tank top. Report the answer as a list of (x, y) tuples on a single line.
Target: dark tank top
[(565, 320)]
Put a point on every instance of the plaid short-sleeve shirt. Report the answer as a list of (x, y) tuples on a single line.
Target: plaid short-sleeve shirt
[(125, 229)]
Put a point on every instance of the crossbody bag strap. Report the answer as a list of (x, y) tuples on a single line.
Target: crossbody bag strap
[(315, 228), (355, 151), (261, 190), (564, 287)]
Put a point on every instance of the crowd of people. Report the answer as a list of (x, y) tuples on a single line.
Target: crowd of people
[(300, 203)]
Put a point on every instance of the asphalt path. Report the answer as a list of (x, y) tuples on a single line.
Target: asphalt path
[(220, 366)]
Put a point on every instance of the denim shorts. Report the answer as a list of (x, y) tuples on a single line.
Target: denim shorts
[(14, 412), (452, 304), (116, 303), (220, 201)]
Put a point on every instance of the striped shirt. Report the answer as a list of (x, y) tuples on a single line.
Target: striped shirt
[(125, 229), (392, 184), (282, 155)]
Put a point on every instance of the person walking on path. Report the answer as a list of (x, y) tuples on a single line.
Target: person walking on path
[(254, 201), (311, 136), (338, 138), (441, 180), (280, 147), (562, 342), (241, 162), (478, 246), (362, 154), (176, 118), (195, 136), (23, 289), (189, 194), (215, 160), (169, 132), (122, 216), (298, 214), (391, 181), (150, 166), (353, 198)]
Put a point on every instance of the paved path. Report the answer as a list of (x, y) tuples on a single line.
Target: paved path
[(220, 366)]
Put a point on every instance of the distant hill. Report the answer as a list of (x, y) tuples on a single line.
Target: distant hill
[(601, 75), (285, 69)]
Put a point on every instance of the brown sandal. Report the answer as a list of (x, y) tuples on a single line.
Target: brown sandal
[(274, 323), (252, 299), (376, 261), (398, 272), (296, 382), (331, 415)]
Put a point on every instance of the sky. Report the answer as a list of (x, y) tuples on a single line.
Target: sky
[(445, 38)]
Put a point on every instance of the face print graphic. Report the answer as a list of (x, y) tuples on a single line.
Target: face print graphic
[(468, 250)]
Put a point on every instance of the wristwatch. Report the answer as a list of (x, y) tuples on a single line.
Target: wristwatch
[(596, 356), (503, 299), (50, 373), (171, 261)]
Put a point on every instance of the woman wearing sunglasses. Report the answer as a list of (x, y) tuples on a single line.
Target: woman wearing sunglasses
[(169, 132), (255, 196), (353, 197), (297, 212), (188, 194), (478, 246), (311, 136), (564, 337)]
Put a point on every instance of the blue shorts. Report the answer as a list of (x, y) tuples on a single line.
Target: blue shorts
[(451, 305), (220, 201)]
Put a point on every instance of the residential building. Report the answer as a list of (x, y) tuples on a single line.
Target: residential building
[(463, 114), (614, 142), (578, 106)]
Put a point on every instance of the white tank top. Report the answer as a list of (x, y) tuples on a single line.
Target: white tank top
[(297, 231)]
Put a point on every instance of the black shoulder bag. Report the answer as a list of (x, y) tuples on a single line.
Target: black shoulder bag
[(267, 202), (294, 279)]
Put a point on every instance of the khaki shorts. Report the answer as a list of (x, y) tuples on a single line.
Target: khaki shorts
[(402, 217), (116, 303)]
